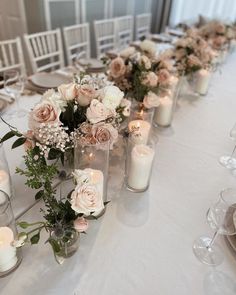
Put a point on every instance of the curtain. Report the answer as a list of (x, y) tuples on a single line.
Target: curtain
[(160, 15), (189, 10)]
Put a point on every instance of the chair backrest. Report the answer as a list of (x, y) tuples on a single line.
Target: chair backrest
[(142, 25), (124, 30), (11, 56), (105, 36), (45, 50), (77, 41)]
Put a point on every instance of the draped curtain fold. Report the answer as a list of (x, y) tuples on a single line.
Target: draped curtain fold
[(189, 10)]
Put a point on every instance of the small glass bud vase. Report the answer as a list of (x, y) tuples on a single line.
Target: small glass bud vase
[(165, 111), (92, 161), (139, 162), (139, 112), (5, 178), (10, 256), (68, 241)]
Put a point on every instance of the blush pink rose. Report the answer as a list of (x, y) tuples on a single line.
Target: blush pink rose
[(68, 91), (163, 76), (117, 67), (97, 112), (81, 224), (104, 132), (85, 94), (150, 79), (44, 112)]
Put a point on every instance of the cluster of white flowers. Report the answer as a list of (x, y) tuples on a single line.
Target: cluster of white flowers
[(52, 135)]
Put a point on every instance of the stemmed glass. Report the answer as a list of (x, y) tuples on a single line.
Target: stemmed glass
[(221, 217), (14, 86), (229, 161)]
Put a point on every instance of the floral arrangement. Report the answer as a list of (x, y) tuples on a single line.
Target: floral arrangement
[(218, 34), (140, 74), (86, 110), (192, 53)]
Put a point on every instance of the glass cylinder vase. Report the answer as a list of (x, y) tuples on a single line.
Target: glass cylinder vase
[(164, 112), (10, 256), (5, 178), (139, 162), (139, 112), (92, 159)]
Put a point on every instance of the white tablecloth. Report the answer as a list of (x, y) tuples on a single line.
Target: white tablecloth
[(143, 243)]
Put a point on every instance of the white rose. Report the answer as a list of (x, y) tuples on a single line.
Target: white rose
[(68, 91), (111, 97), (54, 98), (148, 47), (127, 52), (151, 100), (86, 199), (97, 112), (81, 224), (126, 104)]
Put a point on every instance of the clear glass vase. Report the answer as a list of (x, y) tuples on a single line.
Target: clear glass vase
[(139, 112), (68, 240), (10, 256), (139, 162), (164, 113), (5, 178), (94, 158)]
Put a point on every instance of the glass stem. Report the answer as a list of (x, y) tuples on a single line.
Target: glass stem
[(231, 156), (213, 239)]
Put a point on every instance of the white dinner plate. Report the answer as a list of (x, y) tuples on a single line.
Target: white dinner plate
[(48, 80)]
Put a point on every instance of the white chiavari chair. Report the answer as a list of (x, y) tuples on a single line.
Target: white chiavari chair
[(77, 41), (142, 25), (124, 30), (11, 56), (45, 50), (105, 35)]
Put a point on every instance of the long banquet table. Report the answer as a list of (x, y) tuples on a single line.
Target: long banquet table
[(143, 243)]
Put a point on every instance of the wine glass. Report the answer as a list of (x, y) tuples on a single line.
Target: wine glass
[(230, 161), (221, 217), (14, 86)]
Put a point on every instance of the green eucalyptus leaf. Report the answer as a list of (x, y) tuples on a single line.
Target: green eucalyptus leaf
[(8, 135), (18, 142), (35, 239), (39, 195), (24, 224)]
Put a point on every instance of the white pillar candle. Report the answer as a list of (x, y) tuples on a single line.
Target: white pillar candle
[(163, 113), (8, 258), (140, 166), (5, 182), (140, 129), (202, 81)]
